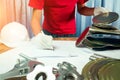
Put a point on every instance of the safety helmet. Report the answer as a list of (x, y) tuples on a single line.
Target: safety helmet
[(14, 34)]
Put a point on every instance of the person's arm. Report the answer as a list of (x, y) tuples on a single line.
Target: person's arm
[(89, 11), (39, 39), (35, 21), (84, 10)]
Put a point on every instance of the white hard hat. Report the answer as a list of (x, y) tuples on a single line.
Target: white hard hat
[(14, 34)]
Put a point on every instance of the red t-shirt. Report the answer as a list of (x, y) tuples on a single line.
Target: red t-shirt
[(59, 15)]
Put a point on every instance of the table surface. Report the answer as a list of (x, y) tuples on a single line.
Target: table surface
[(66, 38), (3, 48), (65, 50)]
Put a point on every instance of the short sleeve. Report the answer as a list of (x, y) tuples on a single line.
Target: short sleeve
[(38, 4), (81, 1)]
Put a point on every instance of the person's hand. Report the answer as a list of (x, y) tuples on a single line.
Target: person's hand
[(100, 10), (41, 73), (42, 41)]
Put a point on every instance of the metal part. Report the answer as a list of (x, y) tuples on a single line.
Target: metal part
[(44, 76), (22, 68), (68, 71), (101, 36), (102, 40), (104, 26), (105, 18), (101, 68), (82, 37), (98, 30), (96, 56)]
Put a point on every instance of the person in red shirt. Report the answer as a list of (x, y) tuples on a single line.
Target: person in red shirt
[(59, 18)]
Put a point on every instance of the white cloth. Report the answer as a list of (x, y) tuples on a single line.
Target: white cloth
[(42, 41), (39, 68), (99, 10)]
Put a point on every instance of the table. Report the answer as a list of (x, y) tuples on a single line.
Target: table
[(65, 50)]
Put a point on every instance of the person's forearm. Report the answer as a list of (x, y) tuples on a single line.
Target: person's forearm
[(36, 27), (35, 22), (83, 10)]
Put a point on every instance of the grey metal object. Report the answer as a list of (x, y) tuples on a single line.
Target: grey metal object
[(68, 71), (100, 65), (100, 45), (22, 68), (105, 39), (105, 18), (100, 25), (41, 74), (98, 30), (101, 35), (105, 26)]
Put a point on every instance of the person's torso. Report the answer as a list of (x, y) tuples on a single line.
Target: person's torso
[(59, 16)]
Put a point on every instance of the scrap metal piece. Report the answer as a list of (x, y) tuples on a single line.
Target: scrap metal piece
[(82, 37), (98, 30), (102, 69), (104, 26), (101, 35), (105, 39), (110, 71), (105, 18), (22, 68), (68, 71), (100, 46), (44, 76)]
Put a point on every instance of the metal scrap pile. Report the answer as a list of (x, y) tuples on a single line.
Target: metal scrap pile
[(102, 69), (98, 68), (102, 35)]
